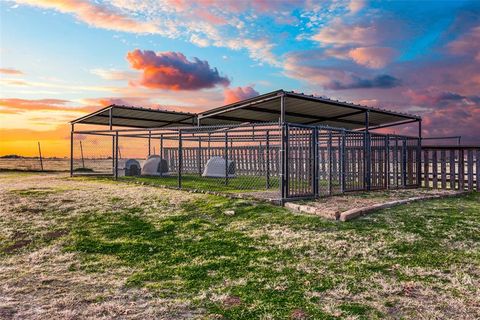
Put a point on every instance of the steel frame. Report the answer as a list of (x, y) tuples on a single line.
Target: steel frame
[(263, 132)]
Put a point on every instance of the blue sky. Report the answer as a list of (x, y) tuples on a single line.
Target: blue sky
[(62, 59)]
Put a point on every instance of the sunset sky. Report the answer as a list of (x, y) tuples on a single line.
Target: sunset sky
[(62, 59)]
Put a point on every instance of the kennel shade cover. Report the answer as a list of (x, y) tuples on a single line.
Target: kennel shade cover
[(154, 166), (215, 168), (132, 167)]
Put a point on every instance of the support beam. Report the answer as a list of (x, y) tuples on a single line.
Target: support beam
[(226, 158), (164, 122), (110, 125), (282, 108), (419, 154), (180, 159), (368, 153), (390, 125), (116, 156), (283, 151), (71, 149)]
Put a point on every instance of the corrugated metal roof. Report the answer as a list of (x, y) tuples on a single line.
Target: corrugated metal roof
[(302, 109), (299, 108), (123, 116)]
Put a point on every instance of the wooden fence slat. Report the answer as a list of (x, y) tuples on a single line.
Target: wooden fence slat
[(461, 170), (443, 169), (426, 167), (452, 170), (470, 170), (435, 169), (478, 169)]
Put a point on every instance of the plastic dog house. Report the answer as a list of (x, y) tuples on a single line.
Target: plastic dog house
[(215, 168), (154, 166)]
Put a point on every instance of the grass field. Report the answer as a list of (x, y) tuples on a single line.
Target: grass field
[(83, 248), (192, 181)]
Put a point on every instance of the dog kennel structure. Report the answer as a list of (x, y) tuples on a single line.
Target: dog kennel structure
[(281, 145)]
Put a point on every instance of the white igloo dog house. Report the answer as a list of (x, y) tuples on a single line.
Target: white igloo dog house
[(215, 168), (154, 166), (132, 167)]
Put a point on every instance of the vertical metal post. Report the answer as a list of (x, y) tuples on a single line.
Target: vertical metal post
[(149, 142), (283, 153), (199, 156), (387, 161), (267, 165), (40, 155), (161, 146), (404, 162), (315, 162), (342, 162), (283, 162), (330, 162), (226, 157), (180, 159), (71, 150), (286, 174), (208, 146), (368, 153), (110, 124), (419, 155), (116, 155), (161, 153)]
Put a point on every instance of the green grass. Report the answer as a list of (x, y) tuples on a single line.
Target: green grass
[(262, 262), (199, 253), (190, 181)]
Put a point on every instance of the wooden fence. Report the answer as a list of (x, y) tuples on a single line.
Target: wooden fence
[(249, 160), (451, 167)]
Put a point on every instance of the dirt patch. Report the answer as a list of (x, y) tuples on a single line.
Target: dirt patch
[(17, 245), (7, 312), (52, 235), (332, 207), (298, 314), (232, 301)]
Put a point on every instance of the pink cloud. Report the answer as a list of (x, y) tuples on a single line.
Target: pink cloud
[(209, 17), (16, 105), (467, 44), (239, 93), (307, 66), (338, 33), (173, 71), (355, 6), (10, 71), (372, 57), (94, 14)]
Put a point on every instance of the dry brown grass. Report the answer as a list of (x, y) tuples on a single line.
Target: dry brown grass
[(416, 262), (42, 281)]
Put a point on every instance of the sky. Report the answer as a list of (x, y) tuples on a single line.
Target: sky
[(60, 60)]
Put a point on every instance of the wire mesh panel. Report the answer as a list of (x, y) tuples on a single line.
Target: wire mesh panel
[(317, 160), (300, 161), (325, 159), (354, 161), (395, 154), (378, 154), (412, 161), (93, 154)]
